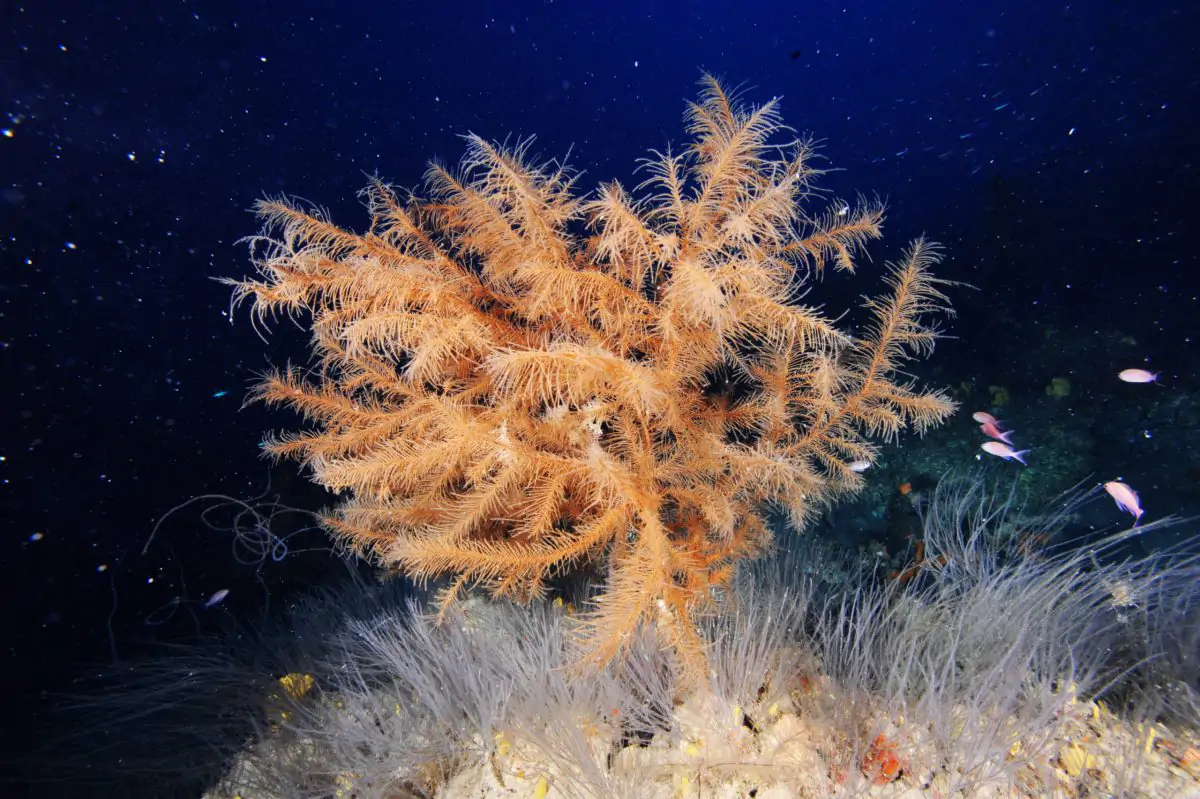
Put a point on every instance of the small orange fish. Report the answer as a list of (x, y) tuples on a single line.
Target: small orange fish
[(990, 430), (1126, 498), (1137, 376), (1004, 451), (983, 417)]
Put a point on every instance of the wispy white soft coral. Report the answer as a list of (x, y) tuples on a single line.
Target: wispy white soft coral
[(1012, 662)]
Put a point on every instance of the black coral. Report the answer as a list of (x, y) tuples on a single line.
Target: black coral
[(513, 380)]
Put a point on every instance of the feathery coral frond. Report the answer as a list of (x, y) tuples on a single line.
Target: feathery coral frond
[(835, 236)]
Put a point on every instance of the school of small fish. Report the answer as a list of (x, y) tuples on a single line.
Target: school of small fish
[(990, 426), (1125, 497)]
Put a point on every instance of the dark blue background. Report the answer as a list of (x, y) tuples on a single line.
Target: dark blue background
[(1051, 146)]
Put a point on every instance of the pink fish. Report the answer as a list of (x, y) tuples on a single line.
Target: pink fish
[(983, 417), (990, 430), (1126, 497), (1004, 451), (1138, 376)]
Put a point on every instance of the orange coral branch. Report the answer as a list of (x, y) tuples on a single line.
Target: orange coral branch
[(513, 379)]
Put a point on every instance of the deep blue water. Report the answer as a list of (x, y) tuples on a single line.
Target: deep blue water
[(1050, 147)]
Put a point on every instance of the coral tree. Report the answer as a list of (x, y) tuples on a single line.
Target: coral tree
[(512, 379)]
